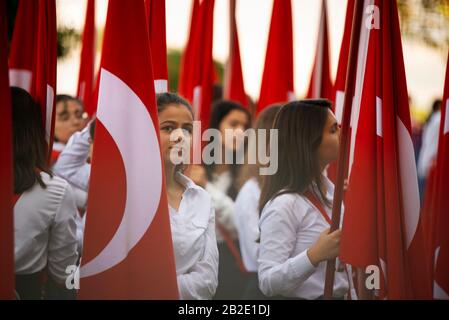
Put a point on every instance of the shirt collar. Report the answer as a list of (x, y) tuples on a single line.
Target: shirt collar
[(187, 182)]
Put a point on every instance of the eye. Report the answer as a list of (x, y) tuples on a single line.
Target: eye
[(64, 116), (79, 114), (189, 129), (168, 128)]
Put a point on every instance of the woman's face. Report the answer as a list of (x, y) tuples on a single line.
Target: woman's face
[(330, 142), (235, 123), (69, 119), (176, 126)]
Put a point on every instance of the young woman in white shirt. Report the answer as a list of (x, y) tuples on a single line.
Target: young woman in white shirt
[(221, 181), (295, 206), (192, 216), (44, 210), (247, 205)]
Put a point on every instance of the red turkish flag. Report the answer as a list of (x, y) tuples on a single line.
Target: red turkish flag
[(32, 63), (128, 250), (340, 80), (320, 85), (7, 274), (43, 86), (234, 88), (23, 45), (382, 224), (437, 211), (87, 64), (277, 80), (186, 85), (197, 76), (156, 22)]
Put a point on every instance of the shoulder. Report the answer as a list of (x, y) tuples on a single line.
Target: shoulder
[(250, 189), (195, 194), (287, 206), (55, 185), (56, 195), (58, 191), (251, 186), (189, 185)]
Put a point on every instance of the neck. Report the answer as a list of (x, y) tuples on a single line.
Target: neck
[(323, 165), (220, 168), (170, 176)]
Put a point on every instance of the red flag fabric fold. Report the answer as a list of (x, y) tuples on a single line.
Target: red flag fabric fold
[(436, 212), (23, 45), (320, 85), (87, 64), (43, 88), (197, 76), (156, 22), (234, 88), (277, 79), (382, 224), (7, 274)]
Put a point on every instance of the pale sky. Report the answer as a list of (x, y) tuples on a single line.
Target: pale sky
[(425, 67)]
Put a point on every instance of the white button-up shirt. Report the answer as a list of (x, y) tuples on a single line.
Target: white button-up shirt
[(72, 166), (290, 225), (194, 242), (223, 204), (45, 229), (247, 223)]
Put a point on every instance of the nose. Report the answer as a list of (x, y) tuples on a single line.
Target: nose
[(239, 131), (178, 135), (76, 121)]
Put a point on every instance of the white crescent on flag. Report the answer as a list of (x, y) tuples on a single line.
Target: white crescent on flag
[(49, 112), (127, 120), (409, 181)]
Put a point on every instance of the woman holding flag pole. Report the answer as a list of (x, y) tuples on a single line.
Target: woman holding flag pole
[(295, 206)]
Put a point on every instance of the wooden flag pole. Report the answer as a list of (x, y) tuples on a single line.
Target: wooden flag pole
[(345, 138)]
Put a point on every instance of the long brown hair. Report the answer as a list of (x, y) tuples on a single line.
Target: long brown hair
[(264, 121), (30, 148), (300, 126), (220, 109)]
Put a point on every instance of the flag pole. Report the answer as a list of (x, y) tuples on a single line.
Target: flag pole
[(345, 138), (232, 30)]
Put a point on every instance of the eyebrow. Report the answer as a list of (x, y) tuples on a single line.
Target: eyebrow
[(168, 122)]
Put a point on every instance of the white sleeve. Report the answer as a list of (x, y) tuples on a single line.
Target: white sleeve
[(429, 147), (224, 207), (279, 273), (80, 225), (247, 224), (201, 281), (71, 164), (62, 243)]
